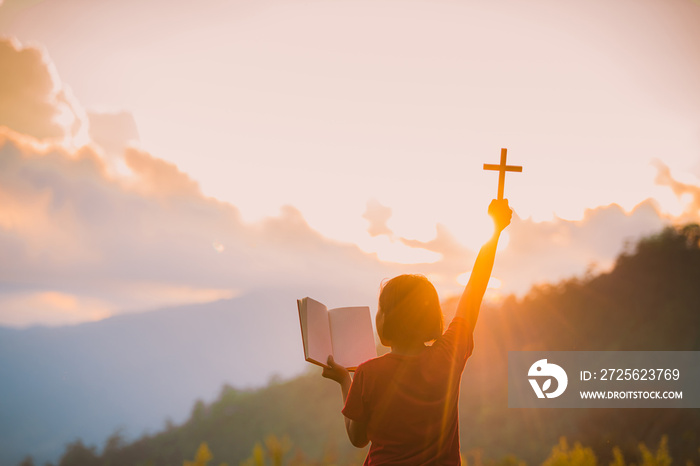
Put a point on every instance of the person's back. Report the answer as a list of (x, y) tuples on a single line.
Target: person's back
[(406, 402), (410, 403)]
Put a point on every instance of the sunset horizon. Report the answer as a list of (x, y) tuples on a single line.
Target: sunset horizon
[(174, 176)]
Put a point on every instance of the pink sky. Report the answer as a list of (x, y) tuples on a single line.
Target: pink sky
[(157, 154)]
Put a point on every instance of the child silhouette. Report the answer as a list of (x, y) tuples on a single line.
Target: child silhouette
[(406, 401)]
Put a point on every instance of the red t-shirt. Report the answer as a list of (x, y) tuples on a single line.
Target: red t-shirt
[(409, 403)]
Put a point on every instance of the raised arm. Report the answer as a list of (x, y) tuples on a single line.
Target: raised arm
[(470, 302)]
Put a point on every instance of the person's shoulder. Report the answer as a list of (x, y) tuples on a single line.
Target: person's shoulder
[(377, 363), (457, 336)]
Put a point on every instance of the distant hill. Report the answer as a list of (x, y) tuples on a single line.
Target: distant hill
[(649, 301), (133, 372)]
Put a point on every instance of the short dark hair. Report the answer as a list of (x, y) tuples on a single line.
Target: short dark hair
[(411, 309)]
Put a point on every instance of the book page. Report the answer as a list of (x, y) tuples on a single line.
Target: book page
[(315, 331), (352, 335)]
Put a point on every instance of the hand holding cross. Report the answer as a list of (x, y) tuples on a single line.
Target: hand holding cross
[(502, 168)]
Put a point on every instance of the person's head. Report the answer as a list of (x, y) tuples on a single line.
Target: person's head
[(409, 311)]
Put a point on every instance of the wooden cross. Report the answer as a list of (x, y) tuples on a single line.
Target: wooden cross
[(502, 168)]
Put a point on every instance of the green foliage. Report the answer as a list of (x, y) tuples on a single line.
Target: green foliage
[(276, 451), (649, 458), (202, 457), (562, 455), (660, 458), (28, 461), (618, 459), (79, 454)]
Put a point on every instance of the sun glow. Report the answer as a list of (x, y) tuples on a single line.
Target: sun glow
[(463, 279), (50, 307)]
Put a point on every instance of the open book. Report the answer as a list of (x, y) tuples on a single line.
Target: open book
[(345, 333)]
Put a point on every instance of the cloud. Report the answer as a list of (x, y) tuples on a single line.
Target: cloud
[(377, 216), (69, 226), (536, 252), (454, 255), (79, 240), (552, 251), (113, 132), (50, 307), (32, 99), (691, 212), (156, 177), (116, 243)]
